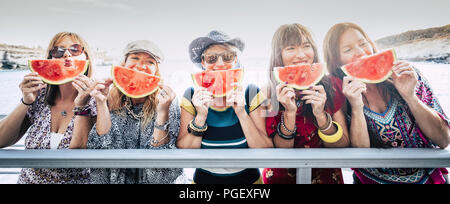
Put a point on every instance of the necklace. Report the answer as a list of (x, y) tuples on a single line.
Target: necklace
[(64, 113), (130, 112)]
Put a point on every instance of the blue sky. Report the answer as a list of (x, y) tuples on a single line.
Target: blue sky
[(173, 24)]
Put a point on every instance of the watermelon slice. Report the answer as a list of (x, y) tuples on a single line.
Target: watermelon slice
[(300, 77), (58, 71), (372, 69), (218, 82), (134, 83)]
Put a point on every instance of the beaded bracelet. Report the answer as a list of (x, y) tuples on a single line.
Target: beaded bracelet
[(194, 130), (285, 128)]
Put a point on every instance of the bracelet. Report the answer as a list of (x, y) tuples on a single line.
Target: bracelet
[(196, 128), (164, 127), (329, 122), (194, 132), (82, 111), (204, 127), (332, 138), (154, 141), (285, 128), (27, 104), (286, 137)]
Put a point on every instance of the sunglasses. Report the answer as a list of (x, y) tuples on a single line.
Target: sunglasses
[(227, 57), (75, 50)]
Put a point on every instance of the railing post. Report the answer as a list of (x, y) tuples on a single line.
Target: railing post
[(303, 175)]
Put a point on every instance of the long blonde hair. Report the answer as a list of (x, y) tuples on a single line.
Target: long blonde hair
[(52, 90), (117, 100)]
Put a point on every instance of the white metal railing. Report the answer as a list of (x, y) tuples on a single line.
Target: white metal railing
[(301, 159)]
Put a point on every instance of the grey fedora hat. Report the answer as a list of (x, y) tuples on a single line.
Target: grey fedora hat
[(199, 45)]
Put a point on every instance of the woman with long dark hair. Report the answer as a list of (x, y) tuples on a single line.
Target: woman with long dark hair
[(401, 112), (297, 118)]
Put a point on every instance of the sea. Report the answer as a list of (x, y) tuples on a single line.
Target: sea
[(177, 75)]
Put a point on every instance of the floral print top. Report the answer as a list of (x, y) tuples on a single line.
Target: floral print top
[(38, 137)]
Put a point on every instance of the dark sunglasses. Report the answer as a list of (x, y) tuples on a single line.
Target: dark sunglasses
[(227, 57), (75, 50)]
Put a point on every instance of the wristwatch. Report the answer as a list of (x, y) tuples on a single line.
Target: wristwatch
[(164, 127)]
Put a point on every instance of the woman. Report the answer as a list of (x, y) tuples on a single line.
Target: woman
[(400, 112), (49, 113), (150, 122), (222, 122), (298, 117)]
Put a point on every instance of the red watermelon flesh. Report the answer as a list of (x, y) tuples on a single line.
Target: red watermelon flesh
[(58, 71), (218, 82), (300, 76), (375, 68), (134, 83)]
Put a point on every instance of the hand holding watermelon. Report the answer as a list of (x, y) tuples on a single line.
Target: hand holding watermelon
[(317, 97), (165, 98), (101, 90), (202, 100), (84, 85), (237, 99), (30, 86), (286, 96), (404, 79), (353, 90)]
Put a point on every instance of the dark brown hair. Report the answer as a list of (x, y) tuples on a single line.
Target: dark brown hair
[(332, 54), (288, 35)]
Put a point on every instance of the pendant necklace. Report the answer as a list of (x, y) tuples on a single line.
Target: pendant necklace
[(64, 113)]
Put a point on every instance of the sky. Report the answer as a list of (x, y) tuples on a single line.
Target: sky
[(173, 24)]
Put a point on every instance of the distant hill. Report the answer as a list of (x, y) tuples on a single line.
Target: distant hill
[(432, 44)]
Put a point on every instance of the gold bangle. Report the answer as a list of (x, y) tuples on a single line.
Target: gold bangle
[(334, 137), (192, 126)]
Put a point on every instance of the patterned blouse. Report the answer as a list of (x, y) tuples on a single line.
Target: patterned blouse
[(397, 128), (38, 137), (126, 133)]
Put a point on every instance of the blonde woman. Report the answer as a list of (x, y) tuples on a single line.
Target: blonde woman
[(48, 114), (151, 122)]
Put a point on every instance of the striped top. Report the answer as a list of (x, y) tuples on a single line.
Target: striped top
[(225, 131)]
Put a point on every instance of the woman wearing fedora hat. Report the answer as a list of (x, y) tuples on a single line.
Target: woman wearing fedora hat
[(234, 121), (151, 122)]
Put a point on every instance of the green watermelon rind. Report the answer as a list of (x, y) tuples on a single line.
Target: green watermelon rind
[(196, 84), (60, 81), (295, 86), (389, 74), (128, 94)]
